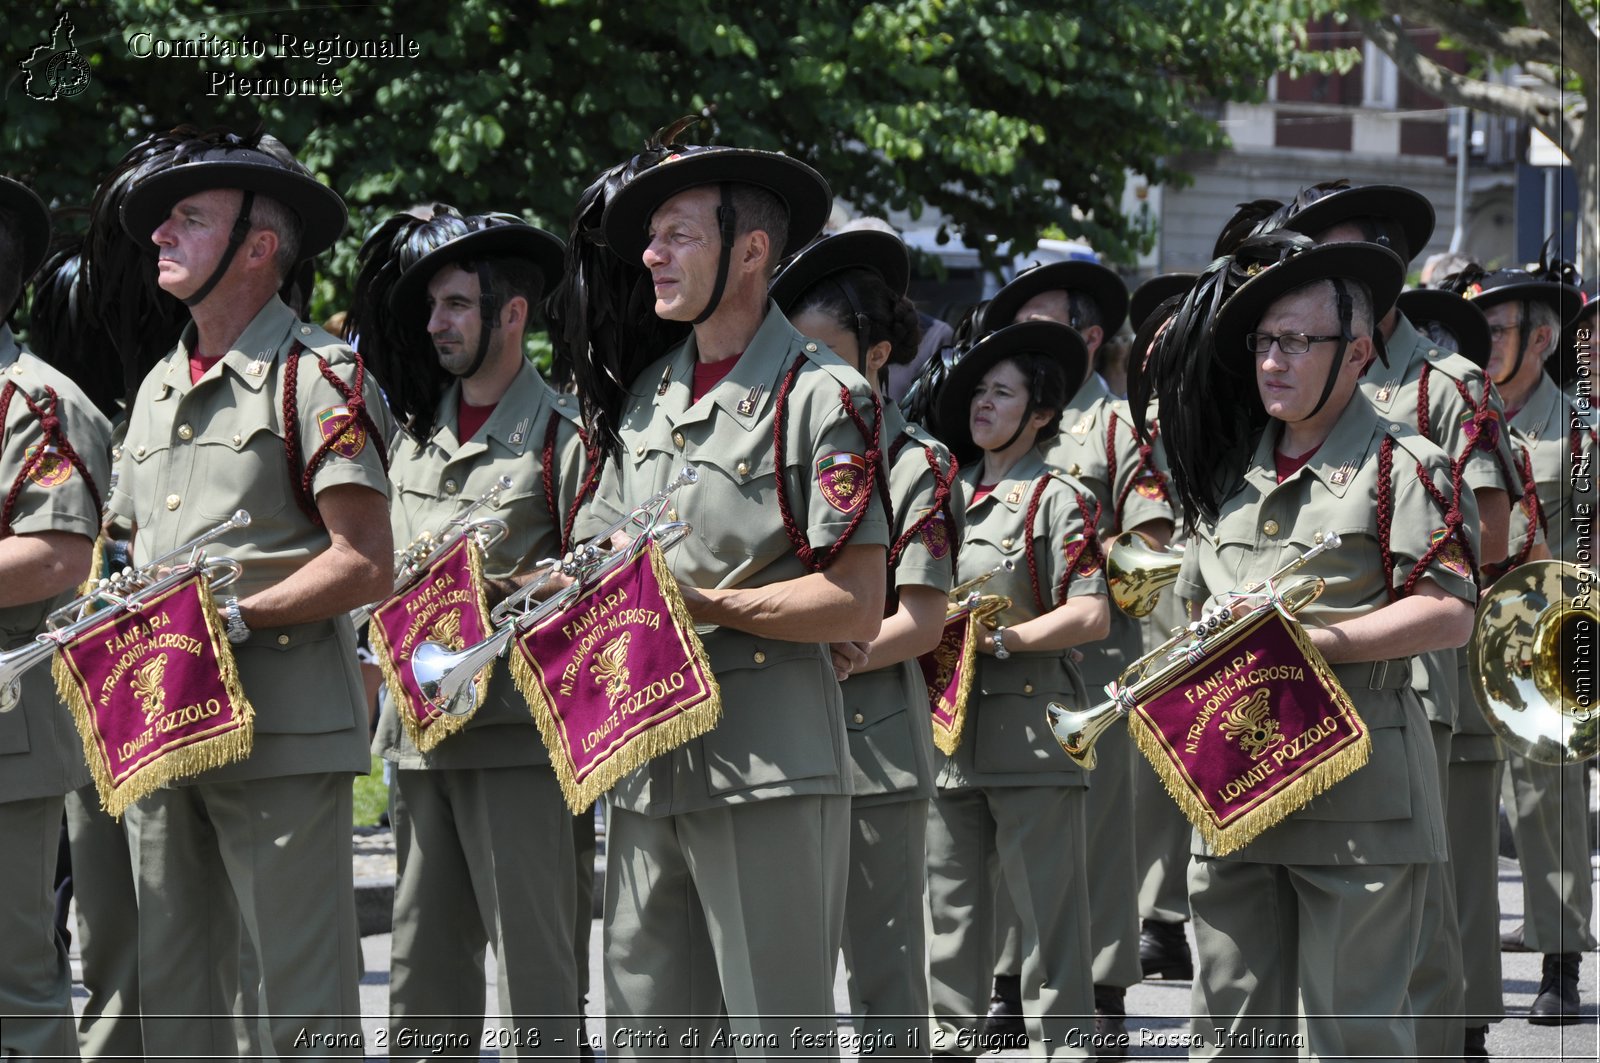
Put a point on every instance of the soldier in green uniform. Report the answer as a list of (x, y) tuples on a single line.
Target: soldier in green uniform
[(1010, 800), (1096, 445), (727, 858), (1272, 449), (848, 291), (55, 461), (479, 820), (1446, 398), (1545, 804), (259, 411)]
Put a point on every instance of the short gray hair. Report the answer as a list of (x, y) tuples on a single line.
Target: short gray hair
[(270, 214), (1541, 313)]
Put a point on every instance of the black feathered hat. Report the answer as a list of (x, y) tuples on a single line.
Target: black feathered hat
[(33, 219), (883, 253), (1376, 267), (481, 236), (1485, 290), (1321, 207), (1155, 291), (802, 189), (953, 401), (1100, 284), (1458, 316), (204, 164)]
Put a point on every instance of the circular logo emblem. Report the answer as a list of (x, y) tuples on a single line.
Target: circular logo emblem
[(68, 74)]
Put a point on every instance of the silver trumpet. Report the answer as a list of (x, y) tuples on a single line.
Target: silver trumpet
[(125, 591), (424, 551), (445, 677)]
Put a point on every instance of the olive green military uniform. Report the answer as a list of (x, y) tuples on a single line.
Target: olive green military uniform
[(1161, 831), (1443, 415), (272, 831), (891, 750), (1546, 805), (480, 823), (1321, 913), (727, 858), (1010, 800), (1097, 446), (41, 757)]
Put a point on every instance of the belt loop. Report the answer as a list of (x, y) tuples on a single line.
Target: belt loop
[(1380, 673)]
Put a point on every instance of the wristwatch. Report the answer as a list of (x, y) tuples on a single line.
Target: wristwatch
[(998, 641), (237, 629)]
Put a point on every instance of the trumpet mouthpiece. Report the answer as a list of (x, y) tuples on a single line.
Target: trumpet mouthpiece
[(241, 518)]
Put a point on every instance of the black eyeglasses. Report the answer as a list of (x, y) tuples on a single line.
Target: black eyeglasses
[(1288, 342), (1496, 331)]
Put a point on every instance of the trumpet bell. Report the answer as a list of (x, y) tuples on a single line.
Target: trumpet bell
[(1138, 571), (1077, 730), (430, 664), (1532, 665)]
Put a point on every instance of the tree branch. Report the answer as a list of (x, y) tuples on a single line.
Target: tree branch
[(1541, 112), (1579, 46), (1520, 44)]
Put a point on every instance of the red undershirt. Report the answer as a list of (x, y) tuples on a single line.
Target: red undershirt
[(470, 418), (1287, 467), (983, 491), (708, 375), (199, 367)]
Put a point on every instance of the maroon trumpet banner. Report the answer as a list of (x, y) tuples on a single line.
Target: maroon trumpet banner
[(616, 678), (1251, 732), (155, 694)]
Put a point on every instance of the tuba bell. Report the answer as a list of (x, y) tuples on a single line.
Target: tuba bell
[(1138, 570), (1532, 664)]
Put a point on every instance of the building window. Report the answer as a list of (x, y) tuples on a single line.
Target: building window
[(1380, 78)]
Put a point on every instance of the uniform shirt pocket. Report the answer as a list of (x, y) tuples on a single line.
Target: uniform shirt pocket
[(777, 698), (236, 469), (1012, 732)]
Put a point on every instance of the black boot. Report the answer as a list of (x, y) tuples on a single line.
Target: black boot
[(1557, 1002), (1476, 1046), (1110, 1022), (1511, 940), (1164, 951), (1003, 1028)]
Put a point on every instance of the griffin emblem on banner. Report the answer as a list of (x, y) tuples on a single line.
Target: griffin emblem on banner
[(147, 687), (610, 667), (1250, 724)]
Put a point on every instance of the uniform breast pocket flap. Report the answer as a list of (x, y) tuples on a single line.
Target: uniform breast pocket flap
[(246, 469)]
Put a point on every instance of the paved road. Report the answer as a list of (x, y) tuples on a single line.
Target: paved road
[(1159, 1011)]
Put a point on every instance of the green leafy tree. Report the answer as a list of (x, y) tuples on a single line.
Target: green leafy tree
[(1553, 41), (1010, 118)]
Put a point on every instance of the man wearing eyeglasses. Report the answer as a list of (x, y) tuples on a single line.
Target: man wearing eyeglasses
[(1319, 915), (1429, 387)]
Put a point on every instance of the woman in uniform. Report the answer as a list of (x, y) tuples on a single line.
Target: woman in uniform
[(1009, 798), (848, 291)]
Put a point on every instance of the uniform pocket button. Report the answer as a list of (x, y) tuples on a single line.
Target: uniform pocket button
[(759, 657), (677, 440), (283, 640), (860, 718), (185, 432), (1027, 688), (173, 501)]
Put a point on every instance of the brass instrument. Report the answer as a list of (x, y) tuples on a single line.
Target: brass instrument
[(1078, 730), (444, 676), (964, 596), (424, 551), (1138, 571), (1531, 661), (126, 590)]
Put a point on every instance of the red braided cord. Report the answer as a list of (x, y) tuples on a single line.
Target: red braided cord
[(547, 470), (52, 436), (591, 484), (874, 457), (1029, 550), (291, 426), (1091, 544), (1424, 423), (1386, 510), (1111, 457), (1451, 510), (942, 481)]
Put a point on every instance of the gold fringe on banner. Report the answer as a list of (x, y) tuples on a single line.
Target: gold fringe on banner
[(1294, 795), (948, 739), (203, 755), (691, 721), (443, 725)]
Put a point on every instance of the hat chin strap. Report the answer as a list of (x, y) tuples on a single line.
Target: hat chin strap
[(489, 313), (1524, 328), (1346, 308), (241, 229), (1022, 422), (726, 219)]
